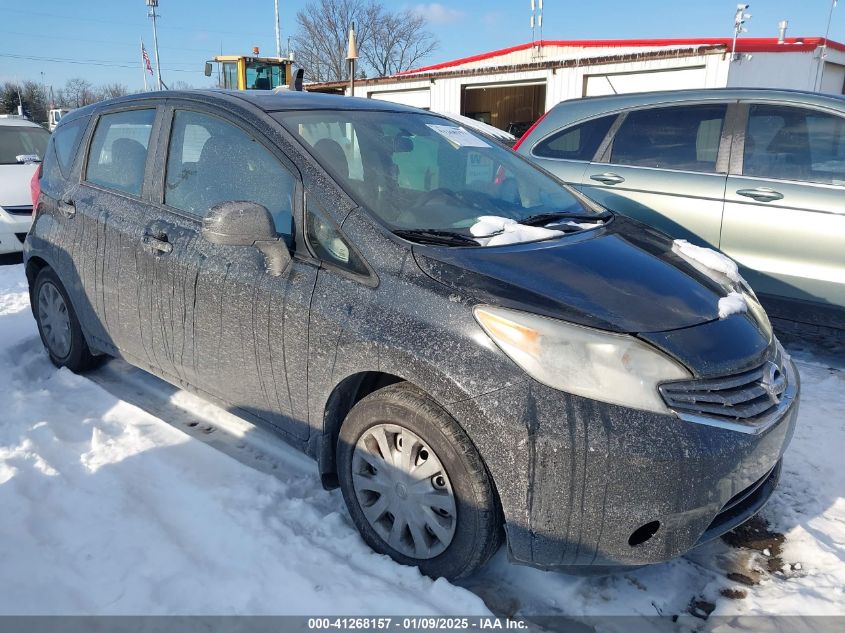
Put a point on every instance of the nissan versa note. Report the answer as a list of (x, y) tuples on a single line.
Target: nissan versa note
[(470, 350)]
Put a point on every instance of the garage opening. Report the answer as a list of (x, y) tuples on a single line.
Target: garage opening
[(509, 107)]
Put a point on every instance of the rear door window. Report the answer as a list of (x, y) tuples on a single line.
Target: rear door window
[(579, 142), (211, 161), (787, 143), (681, 137), (118, 153)]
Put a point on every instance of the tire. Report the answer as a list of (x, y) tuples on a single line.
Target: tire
[(438, 445), (73, 352)]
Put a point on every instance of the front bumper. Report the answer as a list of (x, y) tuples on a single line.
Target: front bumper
[(597, 477)]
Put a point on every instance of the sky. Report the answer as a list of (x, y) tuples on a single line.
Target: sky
[(99, 41)]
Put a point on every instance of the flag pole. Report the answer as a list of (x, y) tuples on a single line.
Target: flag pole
[(143, 65)]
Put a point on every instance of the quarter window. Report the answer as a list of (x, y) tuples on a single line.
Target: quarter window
[(685, 138), (211, 161), (118, 152), (788, 143), (65, 139), (579, 142)]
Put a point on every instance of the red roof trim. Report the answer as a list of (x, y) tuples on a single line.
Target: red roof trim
[(743, 45)]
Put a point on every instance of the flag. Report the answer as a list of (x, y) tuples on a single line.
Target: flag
[(146, 59)]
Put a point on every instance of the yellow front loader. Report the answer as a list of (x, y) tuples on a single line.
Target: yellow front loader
[(241, 72)]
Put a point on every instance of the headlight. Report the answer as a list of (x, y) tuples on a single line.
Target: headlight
[(613, 368)]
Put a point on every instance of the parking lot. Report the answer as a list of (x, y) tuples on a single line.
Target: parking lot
[(133, 494)]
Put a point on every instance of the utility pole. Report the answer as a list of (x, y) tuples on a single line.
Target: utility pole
[(278, 31), (817, 84), (153, 5)]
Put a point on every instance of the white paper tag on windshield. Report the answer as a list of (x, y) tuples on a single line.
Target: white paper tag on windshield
[(458, 136)]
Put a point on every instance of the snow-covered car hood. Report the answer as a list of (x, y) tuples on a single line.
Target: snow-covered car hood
[(14, 184), (622, 277)]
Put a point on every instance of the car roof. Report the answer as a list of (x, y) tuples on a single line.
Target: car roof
[(266, 100), (18, 122), (574, 110)]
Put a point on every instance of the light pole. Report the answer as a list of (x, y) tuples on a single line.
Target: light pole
[(739, 26), (278, 31), (817, 84), (351, 56), (153, 5)]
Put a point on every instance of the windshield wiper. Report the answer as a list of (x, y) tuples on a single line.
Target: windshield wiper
[(542, 219), (436, 236)]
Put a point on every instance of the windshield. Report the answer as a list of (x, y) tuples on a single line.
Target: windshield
[(418, 171), (21, 140)]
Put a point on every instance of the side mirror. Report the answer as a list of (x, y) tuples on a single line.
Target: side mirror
[(296, 79), (207, 70), (241, 223)]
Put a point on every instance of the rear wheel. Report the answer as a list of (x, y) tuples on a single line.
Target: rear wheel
[(58, 325), (415, 485)]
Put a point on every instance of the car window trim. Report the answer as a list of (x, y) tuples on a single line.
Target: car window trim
[(151, 148), (85, 121), (723, 144), (555, 133), (738, 150), (157, 187)]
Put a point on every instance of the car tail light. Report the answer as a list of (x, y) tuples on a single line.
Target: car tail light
[(528, 132), (35, 188)]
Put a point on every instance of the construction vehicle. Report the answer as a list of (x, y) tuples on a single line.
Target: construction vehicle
[(241, 72)]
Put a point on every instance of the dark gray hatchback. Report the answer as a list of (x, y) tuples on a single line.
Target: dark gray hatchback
[(469, 349)]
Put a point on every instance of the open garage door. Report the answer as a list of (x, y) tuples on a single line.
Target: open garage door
[(623, 83), (415, 98), (509, 107)]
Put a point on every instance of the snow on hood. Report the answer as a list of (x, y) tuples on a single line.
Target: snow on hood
[(492, 230), (707, 257), (714, 261), (734, 303)]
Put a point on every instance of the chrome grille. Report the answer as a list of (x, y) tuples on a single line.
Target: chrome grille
[(744, 398)]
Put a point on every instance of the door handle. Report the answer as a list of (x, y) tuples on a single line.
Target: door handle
[(157, 243), (67, 208), (761, 194), (608, 178)]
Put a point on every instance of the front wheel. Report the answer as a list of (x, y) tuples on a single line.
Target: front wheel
[(58, 325), (415, 486)]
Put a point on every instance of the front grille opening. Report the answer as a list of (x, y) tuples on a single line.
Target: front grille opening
[(643, 533), (744, 397), (21, 237)]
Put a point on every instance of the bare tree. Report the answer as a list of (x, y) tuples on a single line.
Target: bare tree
[(111, 91), (398, 42), (77, 92), (388, 41)]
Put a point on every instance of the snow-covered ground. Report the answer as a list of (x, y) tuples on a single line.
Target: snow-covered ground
[(120, 494)]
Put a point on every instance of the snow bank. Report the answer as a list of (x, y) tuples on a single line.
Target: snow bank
[(492, 230), (707, 257), (107, 509), (734, 303)]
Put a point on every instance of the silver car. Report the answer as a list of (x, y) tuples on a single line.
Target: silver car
[(759, 174)]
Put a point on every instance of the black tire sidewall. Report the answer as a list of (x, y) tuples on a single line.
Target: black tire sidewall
[(471, 486), (78, 357)]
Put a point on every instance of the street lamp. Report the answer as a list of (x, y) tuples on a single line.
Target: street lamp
[(153, 5)]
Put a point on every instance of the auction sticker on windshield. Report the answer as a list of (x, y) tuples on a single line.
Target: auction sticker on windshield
[(458, 136)]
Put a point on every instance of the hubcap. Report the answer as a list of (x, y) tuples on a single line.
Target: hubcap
[(404, 491), (55, 321)]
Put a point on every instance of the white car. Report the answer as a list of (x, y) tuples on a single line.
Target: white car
[(22, 146)]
